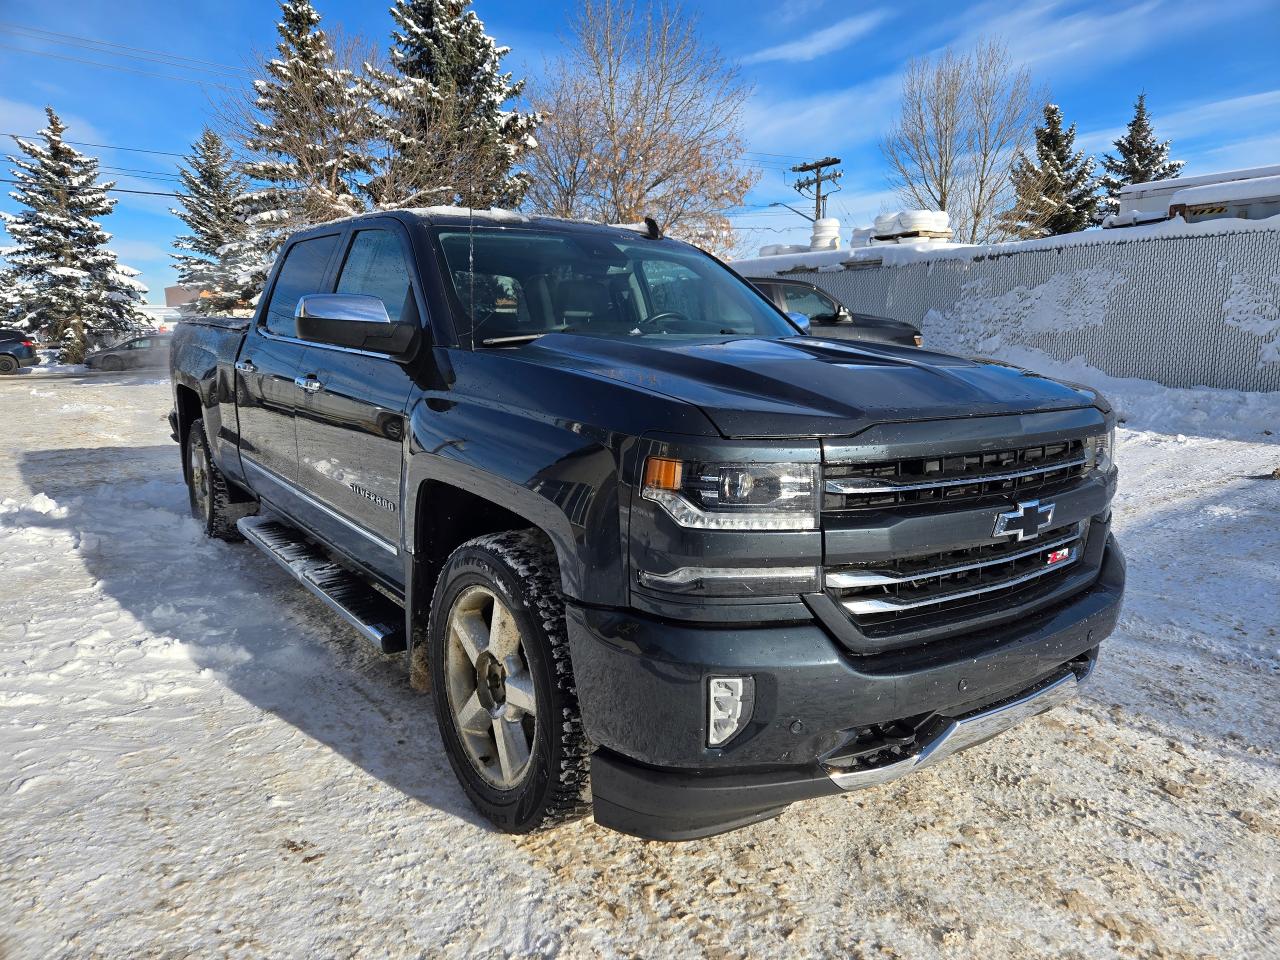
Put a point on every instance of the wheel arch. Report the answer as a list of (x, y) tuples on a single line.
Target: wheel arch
[(446, 516)]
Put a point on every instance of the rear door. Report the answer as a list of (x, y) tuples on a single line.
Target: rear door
[(267, 370), (351, 434)]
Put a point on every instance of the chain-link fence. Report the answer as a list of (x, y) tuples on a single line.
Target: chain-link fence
[(1183, 310)]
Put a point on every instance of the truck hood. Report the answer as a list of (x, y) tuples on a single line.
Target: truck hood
[(808, 386)]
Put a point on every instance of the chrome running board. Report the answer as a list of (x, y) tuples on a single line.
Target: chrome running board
[(377, 617), (962, 733)]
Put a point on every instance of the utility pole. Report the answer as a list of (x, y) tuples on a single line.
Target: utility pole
[(818, 169)]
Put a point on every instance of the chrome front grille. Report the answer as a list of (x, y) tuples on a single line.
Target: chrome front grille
[(955, 478), (884, 595)]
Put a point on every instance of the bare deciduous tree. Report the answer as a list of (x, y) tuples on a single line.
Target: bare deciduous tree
[(640, 119), (964, 118)]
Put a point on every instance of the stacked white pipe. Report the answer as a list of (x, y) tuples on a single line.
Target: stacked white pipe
[(906, 226), (826, 234)]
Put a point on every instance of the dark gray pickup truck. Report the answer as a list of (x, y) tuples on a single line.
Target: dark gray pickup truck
[(656, 554)]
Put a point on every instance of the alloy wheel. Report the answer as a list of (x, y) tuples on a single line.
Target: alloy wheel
[(490, 690)]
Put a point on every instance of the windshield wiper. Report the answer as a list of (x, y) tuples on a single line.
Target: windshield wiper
[(506, 341)]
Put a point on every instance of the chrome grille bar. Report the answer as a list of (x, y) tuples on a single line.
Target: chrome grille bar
[(857, 487), (862, 607), (868, 578)]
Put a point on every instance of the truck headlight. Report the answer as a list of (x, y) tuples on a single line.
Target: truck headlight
[(1101, 450), (734, 496)]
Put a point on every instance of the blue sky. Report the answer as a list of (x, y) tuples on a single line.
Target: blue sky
[(825, 76)]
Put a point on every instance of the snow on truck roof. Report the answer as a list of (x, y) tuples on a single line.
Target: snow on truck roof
[(503, 215)]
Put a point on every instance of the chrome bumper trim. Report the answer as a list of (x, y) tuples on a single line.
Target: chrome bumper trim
[(962, 733)]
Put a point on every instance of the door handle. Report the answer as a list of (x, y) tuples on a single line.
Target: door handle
[(246, 366), (309, 384)]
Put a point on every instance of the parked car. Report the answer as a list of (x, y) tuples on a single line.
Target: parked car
[(136, 352), (656, 555), (831, 318), (17, 350)]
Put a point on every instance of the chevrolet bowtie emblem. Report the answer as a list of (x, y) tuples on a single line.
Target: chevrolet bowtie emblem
[(1025, 521)]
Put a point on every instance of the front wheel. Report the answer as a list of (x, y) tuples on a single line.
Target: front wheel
[(110, 364), (208, 490), (502, 683)]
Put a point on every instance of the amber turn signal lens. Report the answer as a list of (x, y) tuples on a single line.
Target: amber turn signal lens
[(663, 474)]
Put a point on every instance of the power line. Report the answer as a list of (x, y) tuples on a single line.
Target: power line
[(158, 174), (115, 66), (100, 146), (123, 50), (145, 193)]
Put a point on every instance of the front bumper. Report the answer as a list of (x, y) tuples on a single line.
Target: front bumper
[(642, 681)]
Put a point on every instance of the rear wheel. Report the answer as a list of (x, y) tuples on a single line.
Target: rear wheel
[(8, 365), (502, 683), (210, 494)]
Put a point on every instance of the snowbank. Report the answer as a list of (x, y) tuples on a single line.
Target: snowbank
[(1146, 405)]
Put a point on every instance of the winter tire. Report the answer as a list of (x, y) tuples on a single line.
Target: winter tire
[(211, 500), (8, 365), (503, 685), (111, 364)]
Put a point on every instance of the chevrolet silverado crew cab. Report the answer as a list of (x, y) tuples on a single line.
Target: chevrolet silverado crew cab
[(656, 554)]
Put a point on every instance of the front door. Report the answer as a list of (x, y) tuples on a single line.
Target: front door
[(351, 432), (267, 392)]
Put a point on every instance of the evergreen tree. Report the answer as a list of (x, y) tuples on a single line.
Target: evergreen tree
[(1056, 192), (1140, 158), (13, 294), (308, 141), (72, 282), (210, 193), (447, 131)]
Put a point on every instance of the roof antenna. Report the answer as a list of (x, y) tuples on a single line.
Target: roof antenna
[(654, 231)]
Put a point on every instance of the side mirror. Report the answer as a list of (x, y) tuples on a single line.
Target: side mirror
[(352, 320), (843, 314), (801, 321)]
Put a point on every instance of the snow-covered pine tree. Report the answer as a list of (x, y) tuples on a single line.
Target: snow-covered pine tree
[(1140, 158), (72, 283), (447, 132), (12, 295), (307, 141), (1056, 192), (210, 192)]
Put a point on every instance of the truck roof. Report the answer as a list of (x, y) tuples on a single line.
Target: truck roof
[(494, 216)]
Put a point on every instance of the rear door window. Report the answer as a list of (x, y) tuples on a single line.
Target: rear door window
[(376, 267), (302, 273)]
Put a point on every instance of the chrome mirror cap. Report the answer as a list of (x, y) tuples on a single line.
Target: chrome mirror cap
[(341, 306)]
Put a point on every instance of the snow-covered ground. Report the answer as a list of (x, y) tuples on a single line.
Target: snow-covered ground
[(196, 759)]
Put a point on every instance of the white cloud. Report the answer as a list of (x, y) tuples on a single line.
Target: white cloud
[(27, 119), (821, 42), (802, 125)]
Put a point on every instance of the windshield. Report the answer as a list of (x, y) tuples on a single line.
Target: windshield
[(515, 285)]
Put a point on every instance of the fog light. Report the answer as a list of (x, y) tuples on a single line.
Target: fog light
[(730, 702)]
